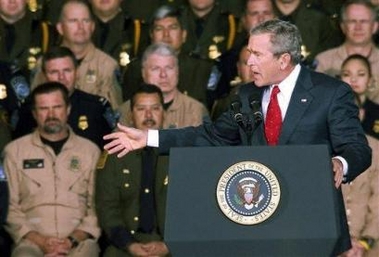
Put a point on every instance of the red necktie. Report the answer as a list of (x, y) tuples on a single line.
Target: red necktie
[(273, 122)]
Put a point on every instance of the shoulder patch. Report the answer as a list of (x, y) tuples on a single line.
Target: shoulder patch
[(102, 160)]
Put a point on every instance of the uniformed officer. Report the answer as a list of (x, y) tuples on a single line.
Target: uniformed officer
[(131, 192), (51, 176), (210, 31), (117, 33), (194, 73), (317, 30), (255, 12), (23, 38), (91, 116), (97, 72)]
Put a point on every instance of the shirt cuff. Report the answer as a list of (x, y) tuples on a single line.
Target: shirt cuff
[(153, 138), (344, 164)]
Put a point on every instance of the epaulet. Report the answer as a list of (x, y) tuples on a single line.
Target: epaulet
[(102, 160), (137, 36), (232, 31)]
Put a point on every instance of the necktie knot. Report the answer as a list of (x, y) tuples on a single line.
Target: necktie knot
[(275, 92), (273, 122)]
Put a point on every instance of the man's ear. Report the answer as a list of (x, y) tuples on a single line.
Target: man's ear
[(59, 28)]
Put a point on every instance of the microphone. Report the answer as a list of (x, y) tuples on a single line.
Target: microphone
[(235, 105), (255, 105)]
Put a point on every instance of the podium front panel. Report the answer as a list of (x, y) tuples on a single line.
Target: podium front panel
[(305, 222)]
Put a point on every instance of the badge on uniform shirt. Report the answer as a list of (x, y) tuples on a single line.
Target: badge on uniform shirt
[(33, 5), (35, 50), (75, 164), (33, 164), (32, 62), (90, 76), (375, 128), (3, 92), (213, 52), (304, 52), (124, 59), (83, 122)]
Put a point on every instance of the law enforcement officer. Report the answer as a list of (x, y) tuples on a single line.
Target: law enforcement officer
[(51, 181), (255, 12), (210, 31), (91, 116), (160, 67), (97, 71), (194, 73), (117, 33), (131, 193), (23, 38), (316, 28)]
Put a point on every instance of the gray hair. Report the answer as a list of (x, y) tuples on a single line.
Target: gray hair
[(166, 11), (364, 3), (285, 38), (160, 49)]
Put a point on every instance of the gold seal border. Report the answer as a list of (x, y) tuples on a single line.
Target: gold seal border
[(241, 167)]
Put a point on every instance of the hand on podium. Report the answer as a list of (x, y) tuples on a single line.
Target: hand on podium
[(125, 140)]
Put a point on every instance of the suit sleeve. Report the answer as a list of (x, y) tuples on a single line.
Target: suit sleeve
[(346, 134)]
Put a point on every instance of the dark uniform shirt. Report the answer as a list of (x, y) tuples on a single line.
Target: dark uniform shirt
[(317, 31), (13, 91), (208, 37), (121, 188), (123, 37), (23, 42), (370, 122), (91, 117)]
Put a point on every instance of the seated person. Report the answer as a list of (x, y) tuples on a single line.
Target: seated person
[(131, 192), (362, 195), (51, 182), (160, 67)]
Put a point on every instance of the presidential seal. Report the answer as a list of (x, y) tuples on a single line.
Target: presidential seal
[(248, 193)]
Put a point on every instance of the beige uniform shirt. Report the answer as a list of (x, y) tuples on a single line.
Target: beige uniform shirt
[(51, 194), (330, 62), (96, 75), (183, 112), (361, 198)]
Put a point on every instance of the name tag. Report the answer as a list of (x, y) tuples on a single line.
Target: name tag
[(33, 164)]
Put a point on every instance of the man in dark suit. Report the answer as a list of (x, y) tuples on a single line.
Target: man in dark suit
[(313, 109)]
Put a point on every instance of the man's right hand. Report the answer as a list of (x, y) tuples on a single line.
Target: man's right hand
[(125, 140), (50, 246)]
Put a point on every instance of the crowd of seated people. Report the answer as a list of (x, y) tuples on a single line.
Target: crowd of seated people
[(72, 69)]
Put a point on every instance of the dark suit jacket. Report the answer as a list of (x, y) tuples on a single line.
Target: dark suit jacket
[(321, 111)]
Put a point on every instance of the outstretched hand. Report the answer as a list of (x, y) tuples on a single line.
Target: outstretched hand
[(125, 140)]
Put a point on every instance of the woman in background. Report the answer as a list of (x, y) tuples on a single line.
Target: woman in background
[(362, 195)]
